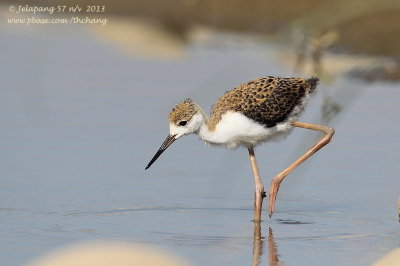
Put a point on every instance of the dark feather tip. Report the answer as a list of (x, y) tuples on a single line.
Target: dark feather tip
[(313, 82)]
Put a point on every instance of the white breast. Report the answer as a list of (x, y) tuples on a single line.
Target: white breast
[(235, 129)]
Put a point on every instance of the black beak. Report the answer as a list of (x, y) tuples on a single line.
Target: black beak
[(167, 142)]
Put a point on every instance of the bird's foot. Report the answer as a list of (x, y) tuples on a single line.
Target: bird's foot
[(273, 192)]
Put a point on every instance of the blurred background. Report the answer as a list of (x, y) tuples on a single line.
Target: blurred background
[(84, 105)]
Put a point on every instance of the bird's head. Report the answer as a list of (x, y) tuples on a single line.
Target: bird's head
[(185, 118)]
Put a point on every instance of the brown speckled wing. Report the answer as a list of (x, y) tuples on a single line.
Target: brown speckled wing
[(266, 100)]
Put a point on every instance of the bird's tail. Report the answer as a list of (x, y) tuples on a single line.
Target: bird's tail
[(313, 83)]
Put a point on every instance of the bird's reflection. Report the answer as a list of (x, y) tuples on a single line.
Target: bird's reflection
[(272, 249), (258, 241)]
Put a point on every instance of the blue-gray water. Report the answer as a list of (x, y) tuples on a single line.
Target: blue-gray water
[(80, 119)]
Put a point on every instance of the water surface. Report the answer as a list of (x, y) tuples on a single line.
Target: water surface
[(80, 120)]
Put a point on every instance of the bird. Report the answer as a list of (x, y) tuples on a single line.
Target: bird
[(258, 111)]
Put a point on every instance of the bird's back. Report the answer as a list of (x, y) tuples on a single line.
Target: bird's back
[(267, 100)]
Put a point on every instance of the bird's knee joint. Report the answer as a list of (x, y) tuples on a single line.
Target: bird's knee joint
[(278, 178), (330, 131), (329, 134)]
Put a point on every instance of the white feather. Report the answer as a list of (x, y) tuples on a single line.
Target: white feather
[(236, 129), (192, 126)]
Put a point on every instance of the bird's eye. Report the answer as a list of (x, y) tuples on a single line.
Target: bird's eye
[(183, 123)]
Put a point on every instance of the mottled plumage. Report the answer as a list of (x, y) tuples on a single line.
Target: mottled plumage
[(260, 110), (266, 100), (183, 111)]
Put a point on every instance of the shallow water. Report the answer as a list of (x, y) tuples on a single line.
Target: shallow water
[(80, 120)]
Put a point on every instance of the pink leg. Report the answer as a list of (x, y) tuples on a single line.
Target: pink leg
[(259, 186), (276, 181)]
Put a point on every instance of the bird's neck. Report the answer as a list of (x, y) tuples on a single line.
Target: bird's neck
[(204, 133)]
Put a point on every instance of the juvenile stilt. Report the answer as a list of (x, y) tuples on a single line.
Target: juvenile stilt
[(276, 181), (257, 111), (259, 192)]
